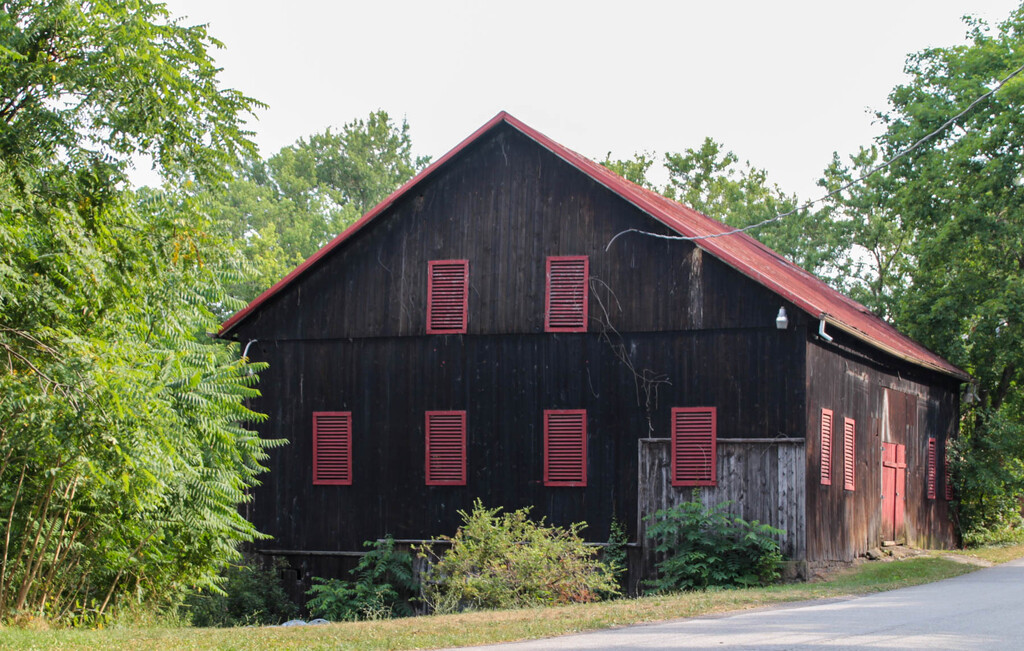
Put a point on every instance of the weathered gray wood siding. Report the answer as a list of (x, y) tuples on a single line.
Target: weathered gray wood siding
[(764, 480), (891, 402)]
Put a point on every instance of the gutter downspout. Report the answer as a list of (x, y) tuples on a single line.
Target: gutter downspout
[(821, 332), (245, 353)]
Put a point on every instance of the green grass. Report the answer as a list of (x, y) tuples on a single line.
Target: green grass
[(994, 553), (502, 626)]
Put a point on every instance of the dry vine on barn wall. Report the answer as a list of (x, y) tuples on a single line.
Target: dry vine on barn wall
[(645, 380)]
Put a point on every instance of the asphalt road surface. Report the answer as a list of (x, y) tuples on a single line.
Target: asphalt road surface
[(981, 610)]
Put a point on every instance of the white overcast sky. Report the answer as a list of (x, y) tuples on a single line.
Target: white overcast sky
[(783, 83)]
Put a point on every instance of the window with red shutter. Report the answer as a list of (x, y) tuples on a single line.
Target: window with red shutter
[(332, 448), (849, 453), (447, 296), (694, 446), (932, 467), (565, 447), (826, 447), (446, 448), (565, 303)]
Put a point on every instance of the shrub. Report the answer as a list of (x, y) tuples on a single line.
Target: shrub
[(506, 560), (707, 546), (1009, 532), (615, 554), (986, 464), (383, 587), (251, 595)]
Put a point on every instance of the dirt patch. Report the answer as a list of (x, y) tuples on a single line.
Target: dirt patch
[(899, 552), (893, 553), (968, 560), (825, 571)]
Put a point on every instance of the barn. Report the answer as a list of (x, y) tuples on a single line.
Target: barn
[(521, 325)]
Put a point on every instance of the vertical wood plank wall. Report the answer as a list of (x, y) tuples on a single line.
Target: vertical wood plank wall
[(890, 403), (764, 480), (669, 327)]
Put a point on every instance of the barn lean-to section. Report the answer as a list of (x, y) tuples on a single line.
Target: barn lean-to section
[(896, 408), (369, 338)]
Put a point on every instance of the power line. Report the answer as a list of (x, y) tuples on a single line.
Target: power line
[(846, 186)]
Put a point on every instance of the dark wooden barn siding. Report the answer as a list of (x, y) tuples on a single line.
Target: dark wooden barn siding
[(505, 204), (928, 521), (841, 524), (504, 384), (670, 327)]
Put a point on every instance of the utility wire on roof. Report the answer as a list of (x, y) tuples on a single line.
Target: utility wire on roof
[(846, 186)]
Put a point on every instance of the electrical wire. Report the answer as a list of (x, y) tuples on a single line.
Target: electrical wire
[(846, 186)]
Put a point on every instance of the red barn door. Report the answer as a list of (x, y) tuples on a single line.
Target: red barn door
[(894, 489)]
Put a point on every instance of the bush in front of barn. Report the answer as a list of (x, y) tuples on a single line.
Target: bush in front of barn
[(702, 547), (383, 588), (248, 595), (506, 560)]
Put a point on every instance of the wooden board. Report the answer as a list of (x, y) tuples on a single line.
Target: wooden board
[(763, 480)]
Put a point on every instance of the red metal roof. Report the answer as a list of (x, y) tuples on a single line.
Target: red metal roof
[(739, 250)]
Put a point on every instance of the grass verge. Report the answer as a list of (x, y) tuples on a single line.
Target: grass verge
[(503, 626)]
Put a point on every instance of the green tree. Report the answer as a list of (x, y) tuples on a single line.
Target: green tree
[(634, 169), (874, 260), (951, 214), (705, 546), (712, 181), (384, 585), (122, 457), (97, 84), (284, 209)]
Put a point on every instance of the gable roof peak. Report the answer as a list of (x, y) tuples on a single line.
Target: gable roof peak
[(736, 249)]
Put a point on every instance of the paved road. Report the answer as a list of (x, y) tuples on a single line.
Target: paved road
[(981, 610)]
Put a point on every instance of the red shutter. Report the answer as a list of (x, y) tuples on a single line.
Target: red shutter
[(565, 447), (948, 479), (332, 448), (447, 296), (565, 303), (849, 453), (932, 467), (694, 446), (826, 447), (446, 448)]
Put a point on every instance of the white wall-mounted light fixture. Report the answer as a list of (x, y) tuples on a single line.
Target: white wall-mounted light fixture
[(782, 321)]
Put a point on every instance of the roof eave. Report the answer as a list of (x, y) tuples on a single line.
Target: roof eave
[(951, 370)]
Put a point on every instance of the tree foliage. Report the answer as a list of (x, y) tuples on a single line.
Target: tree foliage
[(283, 209), (950, 217), (633, 169), (95, 83), (711, 179), (122, 454), (383, 588), (874, 254)]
